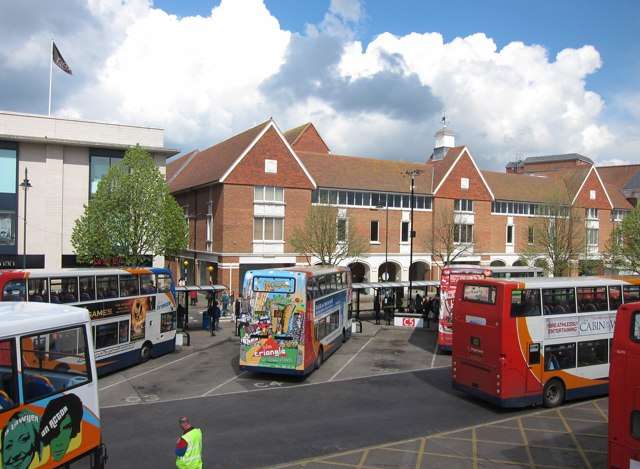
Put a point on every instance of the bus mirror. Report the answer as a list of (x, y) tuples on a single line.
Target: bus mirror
[(534, 354)]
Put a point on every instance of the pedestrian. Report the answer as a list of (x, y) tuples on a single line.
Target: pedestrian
[(225, 302), (181, 282), (417, 304), (376, 307), (435, 307), (388, 308), (238, 311), (426, 311), (215, 317), (194, 297), (189, 446)]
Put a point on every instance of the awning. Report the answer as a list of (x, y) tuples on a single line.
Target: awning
[(190, 288), (414, 284)]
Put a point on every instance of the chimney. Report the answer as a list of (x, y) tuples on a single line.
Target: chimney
[(445, 139)]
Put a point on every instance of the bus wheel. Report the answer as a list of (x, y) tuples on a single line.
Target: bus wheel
[(145, 352), (553, 393), (320, 358)]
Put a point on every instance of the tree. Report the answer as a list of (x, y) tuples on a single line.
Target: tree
[(131, 216), (623, 248), (559, 235), (445, 242), (326, 237)]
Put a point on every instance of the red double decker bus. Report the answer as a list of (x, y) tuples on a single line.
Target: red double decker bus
[(536, 340), (624, 390)]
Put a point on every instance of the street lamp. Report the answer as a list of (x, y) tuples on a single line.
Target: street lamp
[(210, 269), (25, 184), (412, 173), (186, 265)]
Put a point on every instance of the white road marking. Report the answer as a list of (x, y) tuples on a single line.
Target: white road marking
[(231, 393), (435, 354), (351, 359), (230, 380), (148, 371)]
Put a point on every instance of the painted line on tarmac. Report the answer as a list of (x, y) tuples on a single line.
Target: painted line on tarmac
[(230, 380), (350, 359), (435, 354), (247, 391)]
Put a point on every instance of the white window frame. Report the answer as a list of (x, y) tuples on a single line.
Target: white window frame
[(513, 235), (458, 230), (377, 240), (408, 231), (260, 194), (597, 236), (463, 206), (346, 229), (531, 235), (591, 213), (264, 224)]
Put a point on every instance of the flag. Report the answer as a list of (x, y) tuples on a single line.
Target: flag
[(59, 61)]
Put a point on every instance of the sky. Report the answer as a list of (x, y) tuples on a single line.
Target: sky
[(514, 78)]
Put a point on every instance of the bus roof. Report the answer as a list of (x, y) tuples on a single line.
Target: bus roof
[(514, 268), (38, 273), (310, 269), (559, 282), (21, 318)]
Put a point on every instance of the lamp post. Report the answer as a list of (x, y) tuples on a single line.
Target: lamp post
[(25, 184), (412, 173), (186, 265)]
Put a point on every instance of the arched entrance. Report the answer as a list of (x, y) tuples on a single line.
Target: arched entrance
[(419, 271), (359, 272), (520, 263), (392, 269), (498, 263)]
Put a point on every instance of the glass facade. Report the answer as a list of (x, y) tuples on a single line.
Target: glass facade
[(8, 197), (369, 199), (526, 208), (100, 161)]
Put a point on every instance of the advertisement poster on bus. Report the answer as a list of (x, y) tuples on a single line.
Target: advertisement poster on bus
[(273, 321), (448, 283), (579, 326), (48, 435), (137, 308)]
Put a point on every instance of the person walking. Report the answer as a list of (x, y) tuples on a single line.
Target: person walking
[(194, 297), (376, 307), (426, 311), (225, 302), (238, 312), (388, 308), (417, 304), (189, 446), (215, 317)]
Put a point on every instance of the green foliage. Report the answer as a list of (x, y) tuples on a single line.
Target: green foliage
[(131, 215), (623, 248), (323, 238)]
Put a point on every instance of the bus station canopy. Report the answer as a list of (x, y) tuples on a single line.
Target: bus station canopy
[(414, 284), (190, 288)]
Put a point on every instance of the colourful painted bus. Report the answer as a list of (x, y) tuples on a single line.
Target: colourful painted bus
[(293, 318), (536, 341), (49, 414), (624, 387), (449, 278), (133, 311)]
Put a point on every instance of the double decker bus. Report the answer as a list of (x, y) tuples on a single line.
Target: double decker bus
[(536, 341), (133, 311), (294, 318), (449, 280), (49, 414), (624, 402)]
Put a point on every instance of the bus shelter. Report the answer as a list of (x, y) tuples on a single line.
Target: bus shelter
[(183, 294), (396, 290)]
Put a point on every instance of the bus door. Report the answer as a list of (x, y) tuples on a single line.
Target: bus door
[(526, 312), (534, 363)]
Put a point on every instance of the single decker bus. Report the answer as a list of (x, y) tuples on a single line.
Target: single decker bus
[(132, 310), (293, 318), (49, 414), (535, 340), (449, 278), (624, 390)]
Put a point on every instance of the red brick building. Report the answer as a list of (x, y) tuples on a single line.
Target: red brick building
[(244, 196)]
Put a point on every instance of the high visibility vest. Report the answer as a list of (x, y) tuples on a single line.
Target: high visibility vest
[(192, 459)]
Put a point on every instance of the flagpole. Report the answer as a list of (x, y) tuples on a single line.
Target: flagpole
[(50, 75)]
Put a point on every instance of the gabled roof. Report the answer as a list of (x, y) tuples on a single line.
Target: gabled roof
[(295, 137), (210, 165), (354, 172), (443, 167), (618, 175), (617, 197), (573, 179), (292, 135), (526, 187)]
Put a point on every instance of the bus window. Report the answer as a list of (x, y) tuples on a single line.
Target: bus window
[(147, 284), (129, 285), (480, 294), (558, 301), (87, 289), (631, 293), (123, 332), (525, 303), (593, 352), (615, 297), (53, 362), (106, 335), (38, 291), (107, 286), (559, 356), (14, 290), (167, 322), (8, 376), (64, 290), (635, 327), (164, 283), (592, 299), (635, 424)]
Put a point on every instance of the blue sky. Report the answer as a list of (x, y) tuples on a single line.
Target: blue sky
[(613, 27)]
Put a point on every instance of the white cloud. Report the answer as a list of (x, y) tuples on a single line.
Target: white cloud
[(349, 10)]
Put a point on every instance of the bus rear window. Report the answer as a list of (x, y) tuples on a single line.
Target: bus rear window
[(480, 294), (631, 293), (635, 327), (525, 303), (274, 284)]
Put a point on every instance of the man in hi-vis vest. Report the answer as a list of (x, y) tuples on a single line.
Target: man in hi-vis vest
[(189, 446)]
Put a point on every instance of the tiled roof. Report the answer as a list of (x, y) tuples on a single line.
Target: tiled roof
[(440, 167), (620, 175), (294, 134), (572, 178), (175, 166), (353, 172), (617, 197), (209, 165), (525, 187), (556, 158)]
